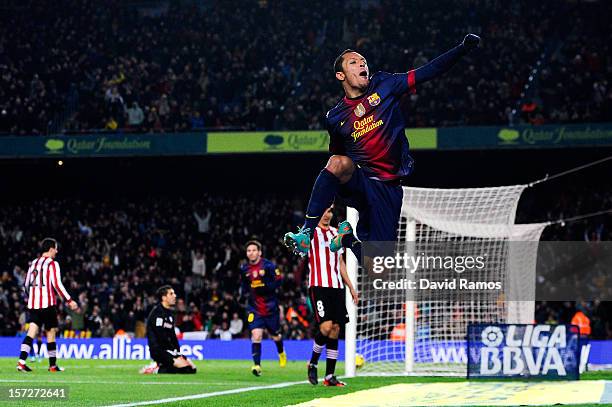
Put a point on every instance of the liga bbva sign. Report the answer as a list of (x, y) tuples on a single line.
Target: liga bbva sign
[(519, 350)]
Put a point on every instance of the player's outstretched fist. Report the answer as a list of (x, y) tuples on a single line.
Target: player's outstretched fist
[(73, 306), (471, 41)]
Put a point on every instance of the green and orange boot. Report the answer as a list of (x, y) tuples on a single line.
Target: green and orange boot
[(298, 242), (344, 228)]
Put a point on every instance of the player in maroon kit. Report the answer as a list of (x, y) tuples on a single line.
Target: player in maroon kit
[(370, 149), (260, 279)]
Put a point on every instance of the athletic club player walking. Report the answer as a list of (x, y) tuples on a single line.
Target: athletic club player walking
[(42, 282)]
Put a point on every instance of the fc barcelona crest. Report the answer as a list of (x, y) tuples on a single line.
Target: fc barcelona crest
[(359, 110), (374, 99)]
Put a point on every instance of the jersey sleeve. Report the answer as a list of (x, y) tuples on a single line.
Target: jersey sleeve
[(398, 83), (57, 282), (154, 327), (174, 340), (244, 283), (273, 276), (28, 279), (336, 143)]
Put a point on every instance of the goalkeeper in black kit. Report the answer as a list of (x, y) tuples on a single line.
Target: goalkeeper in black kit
[(163, 344)]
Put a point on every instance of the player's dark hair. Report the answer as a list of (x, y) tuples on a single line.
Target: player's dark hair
[(48, 243), (253, 242), (340, 59), (162, 291)]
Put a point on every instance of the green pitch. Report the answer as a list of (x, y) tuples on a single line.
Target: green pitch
[(108, 382)]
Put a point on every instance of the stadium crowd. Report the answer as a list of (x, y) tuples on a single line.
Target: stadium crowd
[(81, 65), (114, 253)]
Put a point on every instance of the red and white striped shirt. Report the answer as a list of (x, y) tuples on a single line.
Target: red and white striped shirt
[(324, 265), (42, 282)]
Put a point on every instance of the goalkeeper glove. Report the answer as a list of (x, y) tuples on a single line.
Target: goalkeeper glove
[(470, 42)]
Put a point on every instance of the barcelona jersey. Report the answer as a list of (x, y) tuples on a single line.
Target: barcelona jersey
[(260, 281), (370, 129)]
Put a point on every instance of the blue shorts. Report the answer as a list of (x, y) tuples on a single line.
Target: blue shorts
[(379, 205), (270, 322)]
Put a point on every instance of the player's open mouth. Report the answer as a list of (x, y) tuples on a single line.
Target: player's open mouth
[(364, 74)]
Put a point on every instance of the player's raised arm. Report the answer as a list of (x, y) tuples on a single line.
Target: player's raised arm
[(56, 281), (446, 61)]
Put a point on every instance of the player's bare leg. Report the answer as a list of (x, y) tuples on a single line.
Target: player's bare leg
[(256, 336), (339, 170), (26, 345), (282, 356), (52, 349), (332, 357)]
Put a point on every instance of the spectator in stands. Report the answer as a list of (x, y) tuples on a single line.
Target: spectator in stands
[(107, 330), (135, 116), (118, 266), (223, 332), (203, 221), (236, 326), (267, 83), (198, 265)]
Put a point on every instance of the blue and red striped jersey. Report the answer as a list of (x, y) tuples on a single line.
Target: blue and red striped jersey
[(370, 129), (260, 281)]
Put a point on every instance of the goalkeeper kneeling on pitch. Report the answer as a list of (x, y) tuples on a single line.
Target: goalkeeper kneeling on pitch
[(163, 344)]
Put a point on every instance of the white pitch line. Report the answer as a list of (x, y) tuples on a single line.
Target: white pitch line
[(212, 394), (69, 382)]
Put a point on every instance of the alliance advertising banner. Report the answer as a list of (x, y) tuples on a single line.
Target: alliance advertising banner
[(138, 349)]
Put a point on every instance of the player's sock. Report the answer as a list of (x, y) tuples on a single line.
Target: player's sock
[(256, 352), (317, 347), (332, 356), (279, 346), (52, 348), (26, 345), (39, 346), (323, 194)]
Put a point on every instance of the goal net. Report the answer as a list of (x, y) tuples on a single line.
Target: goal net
[(423, 331)]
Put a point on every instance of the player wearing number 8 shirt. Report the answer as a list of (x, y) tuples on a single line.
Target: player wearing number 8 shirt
[(42, 283), (326, 282)]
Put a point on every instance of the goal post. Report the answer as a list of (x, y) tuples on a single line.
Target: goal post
[(410, 304), (415, 332), (350, 332)]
